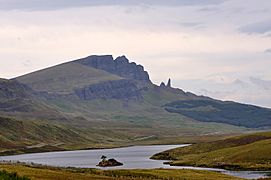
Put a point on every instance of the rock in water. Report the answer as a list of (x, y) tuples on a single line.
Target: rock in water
[(109, 163)]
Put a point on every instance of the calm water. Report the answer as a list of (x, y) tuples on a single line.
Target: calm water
[(135, 157)]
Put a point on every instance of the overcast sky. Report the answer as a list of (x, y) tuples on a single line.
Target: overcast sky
[(219, 48)]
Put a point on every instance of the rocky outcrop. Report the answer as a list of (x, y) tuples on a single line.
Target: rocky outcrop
[(169, 83), (124, 89), (12, 89), (109, 163), (120, 66), (162, 85)]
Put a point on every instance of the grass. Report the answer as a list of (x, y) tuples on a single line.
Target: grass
[(210, 110), (65, 78), (51, 173), (4, 175), (246, 152), (125, 129)]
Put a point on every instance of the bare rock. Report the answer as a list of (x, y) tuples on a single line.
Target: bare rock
[(109, 163), (120, 66)]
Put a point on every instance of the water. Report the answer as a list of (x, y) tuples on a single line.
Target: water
[(135, 157)]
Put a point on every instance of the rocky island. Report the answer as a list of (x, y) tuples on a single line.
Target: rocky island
[(108, 162)]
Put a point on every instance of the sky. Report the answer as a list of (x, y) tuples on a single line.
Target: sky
[(217, 48)]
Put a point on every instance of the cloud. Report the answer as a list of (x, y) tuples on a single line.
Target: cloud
[(219, 94), (209, 9), (265, 84), (256, 28), (191, 24), (240, 83), (60, 4), (268, 50)]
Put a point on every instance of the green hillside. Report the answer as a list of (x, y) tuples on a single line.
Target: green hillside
[(243, 152), (209, 110), (64, 78)]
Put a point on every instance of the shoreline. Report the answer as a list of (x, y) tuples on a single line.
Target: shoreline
[(10, 153), (264, 174)]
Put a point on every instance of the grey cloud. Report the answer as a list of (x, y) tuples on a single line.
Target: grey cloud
[(191, 24), (60, 4), (240, 83), (214, 93), (256, 28), (268, 50), (265, 84), (209, 9)]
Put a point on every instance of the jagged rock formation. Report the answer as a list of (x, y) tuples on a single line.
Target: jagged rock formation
[(124, 89), (120, 66), (169, 83), (162, 85)]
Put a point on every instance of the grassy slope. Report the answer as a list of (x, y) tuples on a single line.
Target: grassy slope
[(138, 119), (49, 173), (27, 136), (65, 78), (242, 152), (209, 110), (17, 100), (4, 175)]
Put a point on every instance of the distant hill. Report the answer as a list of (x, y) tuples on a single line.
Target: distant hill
[(250, 152), (222, 111), (112, 102)]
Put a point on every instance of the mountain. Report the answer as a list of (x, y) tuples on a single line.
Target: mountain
[(112, 102)]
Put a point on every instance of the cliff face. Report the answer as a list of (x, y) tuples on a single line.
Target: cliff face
[(14, 96), (120, 66), (121, 89), (11, 89)]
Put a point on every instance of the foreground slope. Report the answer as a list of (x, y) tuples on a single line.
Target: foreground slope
[(242, 152), (51, 173)]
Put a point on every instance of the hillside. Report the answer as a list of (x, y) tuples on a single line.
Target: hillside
[(64, 78), (110, 102), (222, 111), (251, 152), (18, 100)]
